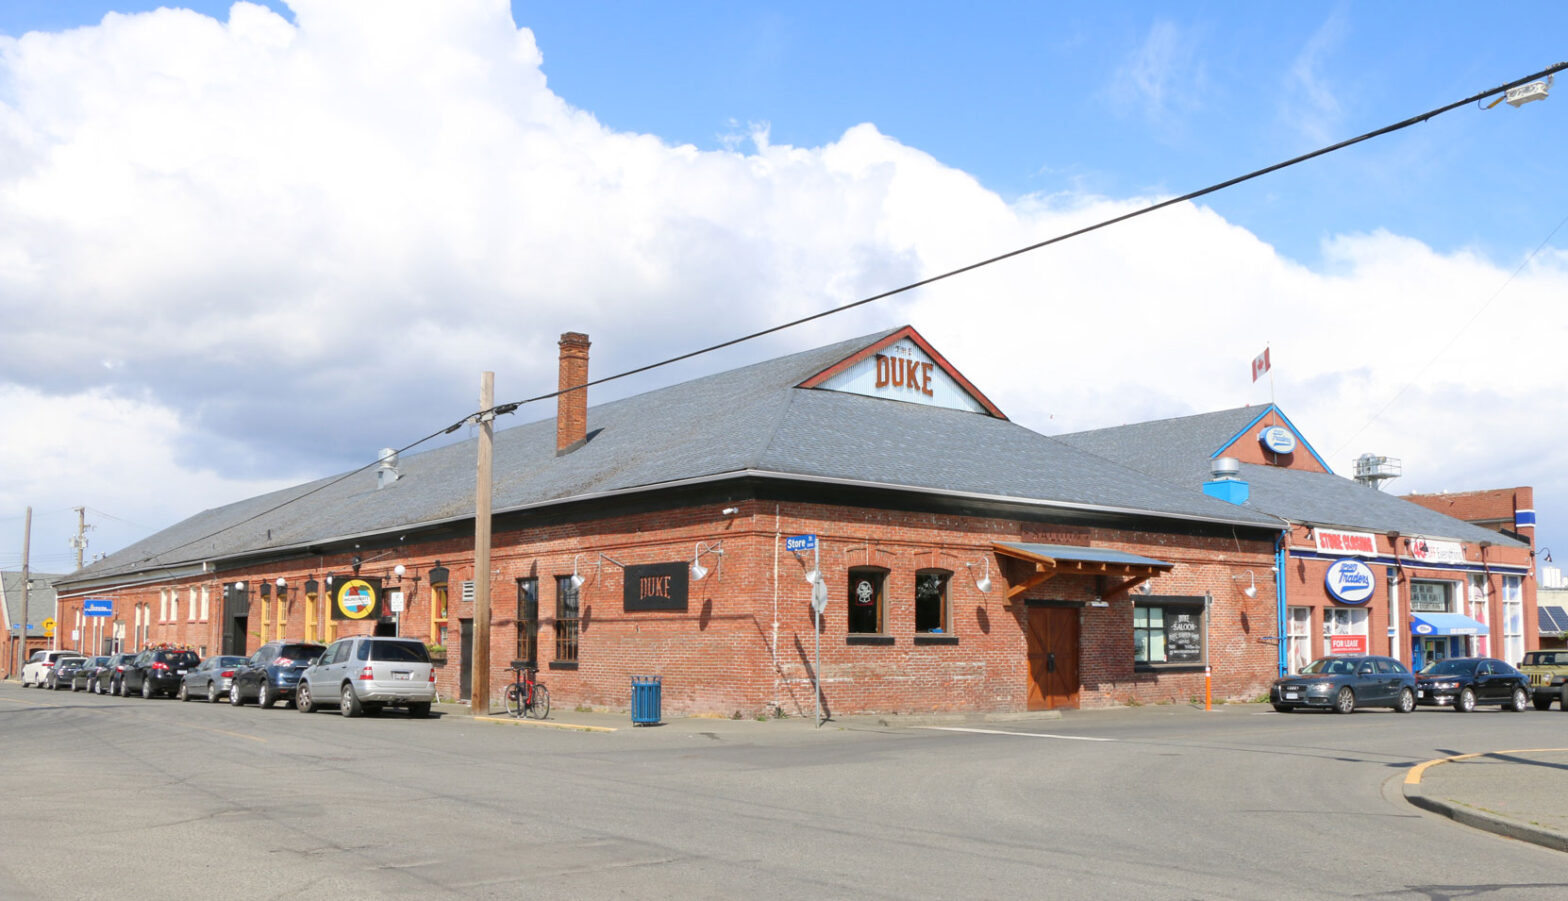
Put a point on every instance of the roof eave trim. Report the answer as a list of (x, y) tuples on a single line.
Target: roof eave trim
[(720, 477), (1259, 418)]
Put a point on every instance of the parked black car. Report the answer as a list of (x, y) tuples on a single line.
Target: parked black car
[(65, 669), (88, 674), (111, 679), (1463, 682), (271, 674), (1342, 684), (157, 671)]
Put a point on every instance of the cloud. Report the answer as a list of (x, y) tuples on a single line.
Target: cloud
[(1165, 76), (1310, 105), (241, 254)]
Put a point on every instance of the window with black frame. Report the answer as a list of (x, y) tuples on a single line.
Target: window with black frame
[(527, 619), (931, 600), (1168, 631), (865, 600), (566, 620)]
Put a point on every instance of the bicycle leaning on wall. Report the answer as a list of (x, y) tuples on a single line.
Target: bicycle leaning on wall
[(527, 696)]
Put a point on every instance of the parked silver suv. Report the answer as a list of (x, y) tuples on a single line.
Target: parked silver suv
[(35, 673), (364, 673)]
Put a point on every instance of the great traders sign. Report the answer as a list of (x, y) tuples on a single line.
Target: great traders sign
[(1350, 581)]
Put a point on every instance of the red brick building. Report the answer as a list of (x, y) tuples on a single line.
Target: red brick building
[(1361, 571), (967, 563)]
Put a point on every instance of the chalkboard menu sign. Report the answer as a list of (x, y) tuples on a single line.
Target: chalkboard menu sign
[(1183, 635), (656, 586)]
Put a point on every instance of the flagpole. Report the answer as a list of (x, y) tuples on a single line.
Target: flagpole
[(1271, 374)]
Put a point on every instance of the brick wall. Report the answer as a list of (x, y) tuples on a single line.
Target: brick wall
[(725, 655)]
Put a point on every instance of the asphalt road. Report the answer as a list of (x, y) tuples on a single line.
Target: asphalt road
[(158, 799)]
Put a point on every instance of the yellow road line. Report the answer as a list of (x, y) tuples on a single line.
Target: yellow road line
[(1414, 776)]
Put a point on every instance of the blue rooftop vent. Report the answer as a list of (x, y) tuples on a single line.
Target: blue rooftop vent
[(1227, 484)]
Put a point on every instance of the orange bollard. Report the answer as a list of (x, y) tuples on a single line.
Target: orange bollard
[(1208, 688)]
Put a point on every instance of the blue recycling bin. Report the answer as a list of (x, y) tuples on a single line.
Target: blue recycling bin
[(646, 691)]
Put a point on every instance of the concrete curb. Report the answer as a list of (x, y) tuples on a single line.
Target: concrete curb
[(1416, 794), (543, 724)]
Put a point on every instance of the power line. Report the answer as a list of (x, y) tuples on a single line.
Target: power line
[(1193, 195)]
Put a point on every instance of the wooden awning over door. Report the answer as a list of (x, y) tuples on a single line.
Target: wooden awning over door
[(1047, 561)]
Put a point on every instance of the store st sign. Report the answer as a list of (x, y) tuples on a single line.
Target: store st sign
[(1431, 550), (1350, 582), (1361, 544)]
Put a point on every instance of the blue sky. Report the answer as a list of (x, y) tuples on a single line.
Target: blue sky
[(1381, 274)]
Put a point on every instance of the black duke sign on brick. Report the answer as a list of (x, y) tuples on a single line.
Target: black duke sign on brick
[(656, 586)]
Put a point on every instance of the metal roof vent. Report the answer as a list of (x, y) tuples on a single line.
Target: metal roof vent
[(1374, 469), (1225, 468), (387, 472)]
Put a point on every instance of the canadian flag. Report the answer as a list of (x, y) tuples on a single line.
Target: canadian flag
[(1260, 364)]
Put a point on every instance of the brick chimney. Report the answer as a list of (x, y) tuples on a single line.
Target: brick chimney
[(571, 407)]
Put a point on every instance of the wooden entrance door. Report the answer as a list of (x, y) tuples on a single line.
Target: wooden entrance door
[(1053, 657)]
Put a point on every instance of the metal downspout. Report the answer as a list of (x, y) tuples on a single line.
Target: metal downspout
[(1281, 627)]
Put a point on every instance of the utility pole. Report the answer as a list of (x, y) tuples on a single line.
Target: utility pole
[(80, 541), (479, 695), (27, 540)]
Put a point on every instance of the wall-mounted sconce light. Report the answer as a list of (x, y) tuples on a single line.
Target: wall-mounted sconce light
[(1251, 590), (984, 584), (576, 580), (266, 590), (398, 571), (730, 511), (312, 586), (282, 583), (698, 571)]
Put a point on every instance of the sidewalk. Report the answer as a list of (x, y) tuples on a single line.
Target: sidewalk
[(1520, 794), (614, 721)]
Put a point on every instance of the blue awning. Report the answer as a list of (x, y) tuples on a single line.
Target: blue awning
[(1446, 624)]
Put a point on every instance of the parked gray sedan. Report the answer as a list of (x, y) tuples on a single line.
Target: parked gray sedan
[(1342, 684), (210, 679)]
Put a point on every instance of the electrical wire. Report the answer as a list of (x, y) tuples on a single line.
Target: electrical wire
[(1193, 195), (500, 409)]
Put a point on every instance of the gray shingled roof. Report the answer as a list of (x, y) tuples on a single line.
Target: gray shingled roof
[(40, 598), (748, 420), (1180, 451), (1176, 450)]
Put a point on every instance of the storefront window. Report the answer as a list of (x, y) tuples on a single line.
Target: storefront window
[(865, 600), (1480, 597), (1513, 619), (1430, 597), (931, 600), (1345, 631), (1168, 630), (1298, 638)]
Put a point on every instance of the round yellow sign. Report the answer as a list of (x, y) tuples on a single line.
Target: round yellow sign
[(356, 599), (49, 625)]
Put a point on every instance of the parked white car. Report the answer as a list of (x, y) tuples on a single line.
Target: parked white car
[(35, 674)]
